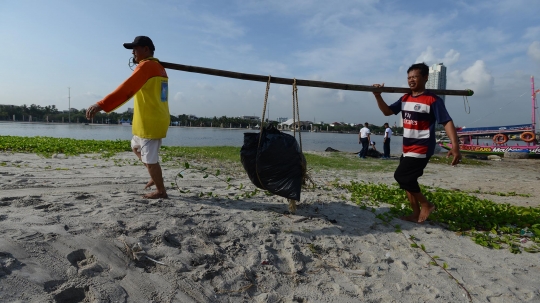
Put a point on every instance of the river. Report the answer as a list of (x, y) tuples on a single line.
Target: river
[(188, 136)]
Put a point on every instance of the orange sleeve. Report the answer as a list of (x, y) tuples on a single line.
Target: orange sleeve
[(127, 90)]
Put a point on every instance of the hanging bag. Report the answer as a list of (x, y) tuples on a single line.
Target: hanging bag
[(274, 161)]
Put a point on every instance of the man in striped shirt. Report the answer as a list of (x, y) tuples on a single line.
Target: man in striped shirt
[(420, 110)]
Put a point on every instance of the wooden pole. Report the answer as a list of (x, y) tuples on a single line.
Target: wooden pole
[(311, 83)]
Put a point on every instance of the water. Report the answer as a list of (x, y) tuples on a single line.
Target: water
[(189, 136)]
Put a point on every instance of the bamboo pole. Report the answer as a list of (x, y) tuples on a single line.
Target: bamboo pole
[(311, 83)]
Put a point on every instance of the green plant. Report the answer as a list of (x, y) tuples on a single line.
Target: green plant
[(204, 170), (443, 266), (460, 212), (47, 146), (368, 195)]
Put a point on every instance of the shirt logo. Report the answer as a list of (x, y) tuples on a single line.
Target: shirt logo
[(164, 91), (417, 107)]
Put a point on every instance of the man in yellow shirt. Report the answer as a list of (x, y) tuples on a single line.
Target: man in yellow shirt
[(149, 86)]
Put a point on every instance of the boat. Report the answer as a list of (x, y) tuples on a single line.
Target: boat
[(125, 122), (470, 137), (443, 139)]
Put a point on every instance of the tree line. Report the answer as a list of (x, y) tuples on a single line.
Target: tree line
[(51, 114)]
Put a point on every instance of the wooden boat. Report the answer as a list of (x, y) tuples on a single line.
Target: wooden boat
[(470, 137)]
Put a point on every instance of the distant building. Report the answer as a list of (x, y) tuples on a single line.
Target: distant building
[(437, 78), (255, 118), (290, 124), (282, 119), (130, 110)]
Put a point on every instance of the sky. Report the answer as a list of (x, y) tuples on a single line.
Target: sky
[(70, 53)]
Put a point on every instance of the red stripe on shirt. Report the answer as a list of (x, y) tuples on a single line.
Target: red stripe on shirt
[(419, 149)]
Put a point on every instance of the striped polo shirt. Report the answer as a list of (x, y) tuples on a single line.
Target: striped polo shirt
[(420, 113)]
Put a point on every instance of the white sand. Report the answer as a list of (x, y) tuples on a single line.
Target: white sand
[(64, 222)]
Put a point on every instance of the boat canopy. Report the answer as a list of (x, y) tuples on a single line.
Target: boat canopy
[(489, 130)]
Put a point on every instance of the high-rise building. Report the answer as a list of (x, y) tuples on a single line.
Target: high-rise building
[(437, 78)]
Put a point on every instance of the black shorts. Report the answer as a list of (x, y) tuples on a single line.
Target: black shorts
[(408, 172)]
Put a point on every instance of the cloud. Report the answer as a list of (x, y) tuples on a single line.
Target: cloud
[(93, 95), (428, 56), (450, 57), (220, 27), (274, 68), (476, 77), (534, 51), (205, 86), (179, 96), (532, 33), (304, 7)]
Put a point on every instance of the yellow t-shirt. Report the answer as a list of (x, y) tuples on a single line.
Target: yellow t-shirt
[(149, 85)]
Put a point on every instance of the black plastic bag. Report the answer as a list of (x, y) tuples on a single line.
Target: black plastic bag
[(277, 165), (373, 153)]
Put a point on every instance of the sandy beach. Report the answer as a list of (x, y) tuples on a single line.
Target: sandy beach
[(76, 229)]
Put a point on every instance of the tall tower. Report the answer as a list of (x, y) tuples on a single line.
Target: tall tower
[(437, 78)]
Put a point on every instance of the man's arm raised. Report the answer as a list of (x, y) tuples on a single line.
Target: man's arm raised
[(385, 109)]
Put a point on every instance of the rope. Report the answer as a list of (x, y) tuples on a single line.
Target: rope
[(296, 117), (296, 110), (493, 111), (264, 109), (466, 104), (262, 129)]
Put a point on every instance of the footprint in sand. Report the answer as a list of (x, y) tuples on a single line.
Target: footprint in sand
[(6, 201), (73, 294), (294, 256), (85, 263), (27, 201), (8, 263), (28, 236)]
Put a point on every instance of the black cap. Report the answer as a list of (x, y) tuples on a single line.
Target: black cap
[(140, 41)]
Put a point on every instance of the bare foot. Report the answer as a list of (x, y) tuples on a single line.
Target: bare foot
[(156, 195), (426, 211), (411, 218), (292, 206), (149, 184)]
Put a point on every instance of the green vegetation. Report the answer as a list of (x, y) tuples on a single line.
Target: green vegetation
[(47, 146), (347, 162), (488, 223)]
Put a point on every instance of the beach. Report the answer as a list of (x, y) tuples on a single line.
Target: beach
[(76, 229)]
